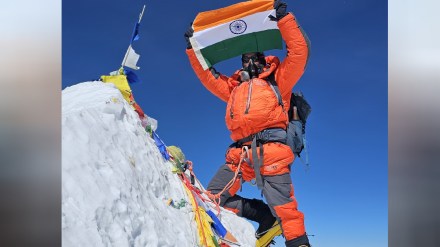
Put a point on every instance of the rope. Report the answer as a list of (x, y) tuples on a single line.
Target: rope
[(193, 191), (215, 198)]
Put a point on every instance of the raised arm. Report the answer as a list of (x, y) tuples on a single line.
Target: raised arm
[(298, 49), (215, 82)]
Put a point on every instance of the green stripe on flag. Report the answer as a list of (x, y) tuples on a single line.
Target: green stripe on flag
[(259, 41)]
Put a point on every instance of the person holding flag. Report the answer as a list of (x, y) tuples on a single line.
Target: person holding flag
[(256, 117)]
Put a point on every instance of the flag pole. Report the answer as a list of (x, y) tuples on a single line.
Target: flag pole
[(128, 50), (142, 14)]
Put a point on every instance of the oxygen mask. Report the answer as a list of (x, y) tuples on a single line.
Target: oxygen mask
[(253, 65), (253, 69)]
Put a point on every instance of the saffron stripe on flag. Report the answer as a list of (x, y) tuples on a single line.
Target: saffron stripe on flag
[(208, 19)]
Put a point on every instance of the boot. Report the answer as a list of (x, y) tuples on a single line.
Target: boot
[(302, 241), (258, 211)]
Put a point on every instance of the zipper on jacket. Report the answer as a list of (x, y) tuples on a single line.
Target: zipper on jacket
[(231, 112), (248, 102)]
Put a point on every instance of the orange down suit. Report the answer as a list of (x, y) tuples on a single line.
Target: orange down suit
[(252, 106)]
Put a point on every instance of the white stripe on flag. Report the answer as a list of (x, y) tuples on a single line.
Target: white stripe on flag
[(131, 59), (254, 23), (198, 53)]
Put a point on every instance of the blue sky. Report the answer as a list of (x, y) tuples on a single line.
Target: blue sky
[(344, 192)]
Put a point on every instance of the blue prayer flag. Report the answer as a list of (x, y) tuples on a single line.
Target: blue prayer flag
[(131, 76), (135, 35), (217, 225), (161, 146)]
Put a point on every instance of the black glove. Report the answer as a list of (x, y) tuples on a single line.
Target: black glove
[(189, 33), (280, 10)]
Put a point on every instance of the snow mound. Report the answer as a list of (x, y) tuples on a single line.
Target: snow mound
[(115, 183)]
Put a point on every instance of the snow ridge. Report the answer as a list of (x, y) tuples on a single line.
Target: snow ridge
[(115, 182)]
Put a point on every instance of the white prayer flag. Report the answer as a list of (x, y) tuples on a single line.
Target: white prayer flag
[(131, 59)]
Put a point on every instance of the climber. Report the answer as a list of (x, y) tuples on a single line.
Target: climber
[(258, 120)]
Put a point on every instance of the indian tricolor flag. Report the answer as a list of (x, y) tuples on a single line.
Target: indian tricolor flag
[(240, 28)]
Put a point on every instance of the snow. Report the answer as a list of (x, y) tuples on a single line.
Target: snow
[(115, 181)]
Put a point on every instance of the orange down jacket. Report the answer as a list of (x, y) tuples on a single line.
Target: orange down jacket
[(253, 106)]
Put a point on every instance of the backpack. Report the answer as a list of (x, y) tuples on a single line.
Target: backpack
[(297, 127)]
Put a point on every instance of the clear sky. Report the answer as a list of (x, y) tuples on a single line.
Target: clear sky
[(344, 192)]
